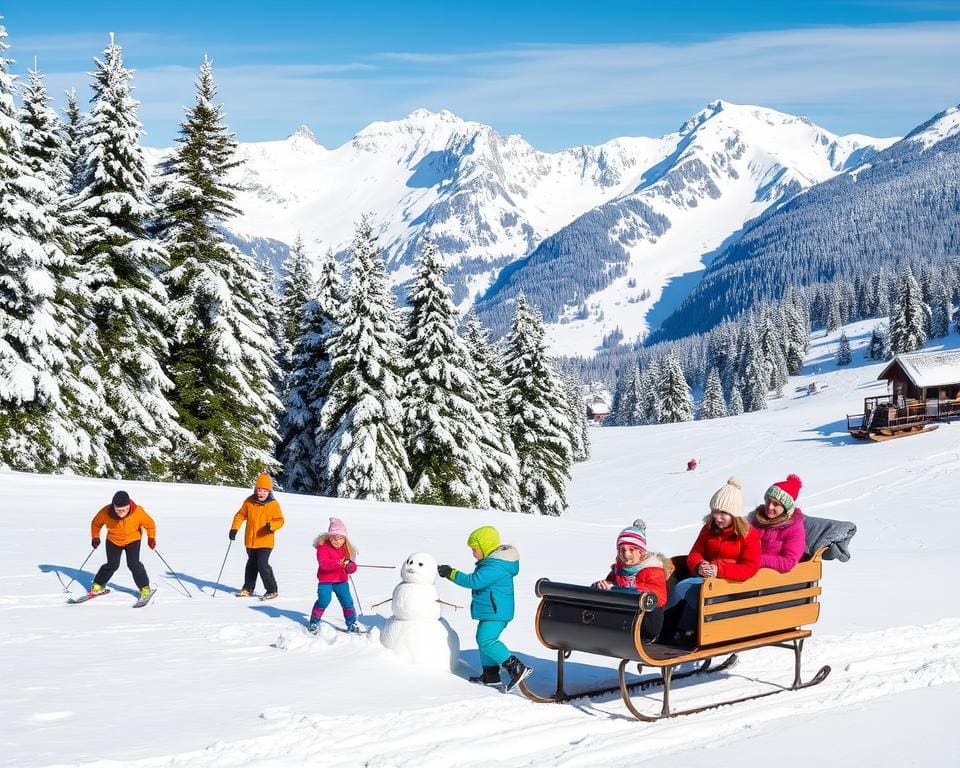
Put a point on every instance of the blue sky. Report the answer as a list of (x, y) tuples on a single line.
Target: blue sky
[(559, 73)]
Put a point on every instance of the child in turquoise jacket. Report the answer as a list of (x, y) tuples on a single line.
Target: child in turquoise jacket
[(492, 603)]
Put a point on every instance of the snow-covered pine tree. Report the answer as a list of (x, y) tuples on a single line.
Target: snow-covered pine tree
[(646, 383), (35, 430), (443, 423), (941, 312), (713, 406), (834, 317), (72, 154), (844, 355), (537, 415), (303, 470), (501, 466), (772, 347), (296, 289), (877, 348), (577, 410), (756, 375), (796, 331), (908, 317), (364, 451), (330, 289), (222, 358), (129, 302), (674, 396), (736, 402), (81, 409), (308, 384)]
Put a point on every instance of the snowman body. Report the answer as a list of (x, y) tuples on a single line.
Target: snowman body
[(415, 632)]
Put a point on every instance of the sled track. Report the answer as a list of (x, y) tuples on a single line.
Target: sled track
[(590, 732)]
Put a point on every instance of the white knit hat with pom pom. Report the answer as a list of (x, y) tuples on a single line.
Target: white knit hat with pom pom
[(729, 498)]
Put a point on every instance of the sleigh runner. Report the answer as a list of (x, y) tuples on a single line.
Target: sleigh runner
[(770, 609)]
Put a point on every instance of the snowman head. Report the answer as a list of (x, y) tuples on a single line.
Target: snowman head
[(419, 568)]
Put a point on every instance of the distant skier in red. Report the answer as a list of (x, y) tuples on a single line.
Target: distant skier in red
[(691, 465)]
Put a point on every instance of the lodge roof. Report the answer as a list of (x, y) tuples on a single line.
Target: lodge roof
[(927, 369)]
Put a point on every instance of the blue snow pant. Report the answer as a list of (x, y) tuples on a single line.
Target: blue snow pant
[(325, 593), (492, 652), (685, 600)]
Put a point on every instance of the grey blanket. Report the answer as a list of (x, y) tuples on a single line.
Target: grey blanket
[(835, 535)]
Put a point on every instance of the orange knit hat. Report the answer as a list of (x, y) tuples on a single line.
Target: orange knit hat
[(264, 481)]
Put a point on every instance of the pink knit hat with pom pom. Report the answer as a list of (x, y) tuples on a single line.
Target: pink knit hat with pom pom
[(337, 528), (634, 535)]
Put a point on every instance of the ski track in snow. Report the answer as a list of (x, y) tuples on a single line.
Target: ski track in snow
[(600, 731)]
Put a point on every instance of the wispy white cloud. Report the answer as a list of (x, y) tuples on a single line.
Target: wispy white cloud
[(877, 79)]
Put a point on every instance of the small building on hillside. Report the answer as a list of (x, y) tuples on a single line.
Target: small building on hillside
[(598, 410), (924, 388)]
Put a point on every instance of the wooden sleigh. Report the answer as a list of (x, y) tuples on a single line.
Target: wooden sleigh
[(770, 609)]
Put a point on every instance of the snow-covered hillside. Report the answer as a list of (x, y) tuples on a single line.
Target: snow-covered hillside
[(212, 682), (491, 200)]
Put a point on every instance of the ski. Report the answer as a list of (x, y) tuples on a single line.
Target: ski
[(361, 630), (88, 596), (142, 601)]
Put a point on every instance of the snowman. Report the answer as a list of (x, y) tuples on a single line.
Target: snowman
[(415, 632)]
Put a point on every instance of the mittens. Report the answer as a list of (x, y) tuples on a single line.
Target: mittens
[(95, 542)]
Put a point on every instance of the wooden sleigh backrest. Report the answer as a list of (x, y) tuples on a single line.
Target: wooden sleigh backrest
[(766, 603)]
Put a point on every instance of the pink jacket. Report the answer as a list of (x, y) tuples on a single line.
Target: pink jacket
[(330, 559), (782, 545)]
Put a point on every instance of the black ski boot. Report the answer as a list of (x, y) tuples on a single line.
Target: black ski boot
[(490, 676), (517, 670)]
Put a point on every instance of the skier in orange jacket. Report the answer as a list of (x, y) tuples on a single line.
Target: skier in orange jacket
[(263, 517)]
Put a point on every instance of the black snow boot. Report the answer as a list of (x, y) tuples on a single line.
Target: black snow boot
[(490, 676), (517, 670)]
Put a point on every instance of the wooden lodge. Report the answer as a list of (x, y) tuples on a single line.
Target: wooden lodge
[(924, 389)]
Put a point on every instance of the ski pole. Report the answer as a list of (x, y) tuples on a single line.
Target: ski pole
[(360, 565), (187, 591), (66, 588), (229, 544), (359, 605)]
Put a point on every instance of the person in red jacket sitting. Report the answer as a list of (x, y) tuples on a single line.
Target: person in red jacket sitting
[(637, 570), (727, 548)]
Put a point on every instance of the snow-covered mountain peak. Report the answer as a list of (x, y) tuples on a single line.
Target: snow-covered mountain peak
[(938, 128), (303, 133)]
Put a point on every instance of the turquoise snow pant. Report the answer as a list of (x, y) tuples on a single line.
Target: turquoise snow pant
[(492, 652), (342, 590)]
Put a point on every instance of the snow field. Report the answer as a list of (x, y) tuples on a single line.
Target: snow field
[(228, 682)]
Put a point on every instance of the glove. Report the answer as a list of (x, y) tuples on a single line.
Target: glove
[(346, 563), (444, 571), (233, 534), (267, 528), (152, 543), (95, 542)]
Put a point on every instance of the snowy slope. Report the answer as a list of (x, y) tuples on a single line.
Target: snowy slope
[(491, 200), (217, 682)]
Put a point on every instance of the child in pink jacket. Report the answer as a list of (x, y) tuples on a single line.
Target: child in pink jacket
[(779, 521), (336, 558)]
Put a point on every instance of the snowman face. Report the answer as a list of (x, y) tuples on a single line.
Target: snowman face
[(419, 568)]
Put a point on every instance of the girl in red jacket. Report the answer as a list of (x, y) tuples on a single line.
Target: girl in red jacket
[(336, 558), (636, 570), (727, 548)]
